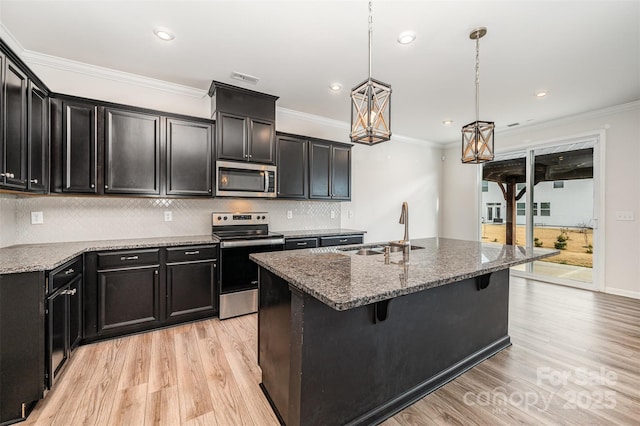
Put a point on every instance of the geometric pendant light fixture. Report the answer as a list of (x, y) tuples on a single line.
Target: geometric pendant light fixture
[(370, 106), (477, 137)]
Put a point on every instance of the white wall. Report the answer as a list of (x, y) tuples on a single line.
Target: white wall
[(383, 176), (622, 187), (7, 220)]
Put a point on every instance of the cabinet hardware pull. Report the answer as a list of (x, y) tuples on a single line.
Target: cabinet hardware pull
[(301, 244), (11, 175), (192, 252), (34, 181), (129, 258), (93, 186), (155, 272), (69, 292), (344, 241), (106, 187), (70, 271)]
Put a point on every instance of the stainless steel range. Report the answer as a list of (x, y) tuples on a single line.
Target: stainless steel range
[(241, 234)]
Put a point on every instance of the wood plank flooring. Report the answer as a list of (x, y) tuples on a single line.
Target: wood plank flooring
[(575, 359)]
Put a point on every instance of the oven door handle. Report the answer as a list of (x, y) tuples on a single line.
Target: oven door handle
[(266, 181), (251, 243)]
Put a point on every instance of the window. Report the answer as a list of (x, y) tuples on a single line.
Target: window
[(485, 186), (535, 209), (520, 209), (519, 186), (545, 209), (558, 184)]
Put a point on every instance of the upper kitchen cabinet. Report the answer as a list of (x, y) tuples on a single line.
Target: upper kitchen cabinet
[(189, 158), (329, 170), (24, 131), (74, 146), (14, 141), (245, 124), (38, 139), (132, 152), (292, 162)]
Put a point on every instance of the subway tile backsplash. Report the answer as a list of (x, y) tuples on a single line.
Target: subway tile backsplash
[(92, 218)]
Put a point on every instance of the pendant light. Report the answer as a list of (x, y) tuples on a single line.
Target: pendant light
[(477, 137), (370, 106)]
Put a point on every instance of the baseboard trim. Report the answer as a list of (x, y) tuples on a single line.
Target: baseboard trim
[(624, 293)]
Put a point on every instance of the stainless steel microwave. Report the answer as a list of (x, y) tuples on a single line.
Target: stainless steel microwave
[(245, 180)]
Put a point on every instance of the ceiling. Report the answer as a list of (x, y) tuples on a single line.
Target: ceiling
[(585, 53)]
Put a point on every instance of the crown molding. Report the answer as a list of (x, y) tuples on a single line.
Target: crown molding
[(343, 125), (35, 58), (616, 109)]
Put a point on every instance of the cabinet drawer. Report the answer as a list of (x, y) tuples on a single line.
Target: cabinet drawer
[(123, 259), (64, 274), (300, 243), (340, 240), (191, 253)]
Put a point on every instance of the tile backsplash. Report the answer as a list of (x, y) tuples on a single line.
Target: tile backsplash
[(92, 218)]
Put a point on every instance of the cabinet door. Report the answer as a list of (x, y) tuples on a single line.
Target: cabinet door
[(79, 148), (15, 122), (319, 170), (292, 167), (132, 153), (189, 158), (128, 300), (231, 138), (191, 290), (57, 333), (262, 143), (341, 173), (75, 312), (38, 140), (22, 343)]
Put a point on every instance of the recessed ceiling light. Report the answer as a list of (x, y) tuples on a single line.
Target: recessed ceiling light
[(163, 33), (447, 122), (406, 37), (335, 87), (541, 94)]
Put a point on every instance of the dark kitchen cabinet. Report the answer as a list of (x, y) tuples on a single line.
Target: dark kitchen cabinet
[(329, 170), (74, 147), (38, 139), (14, 170), (340, 240), (189, 158), (300, 243), (192, 291), (63, 317), (22, 344), (292, 165), (122, 292), (132, 153), (245, 124)]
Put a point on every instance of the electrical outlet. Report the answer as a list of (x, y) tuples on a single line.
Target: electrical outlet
[(627, 215), (37, 218), (168, 216), (289, 214), (350, 214), (333, 214)]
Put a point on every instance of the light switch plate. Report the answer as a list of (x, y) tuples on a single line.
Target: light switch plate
[(168, 216), (625, 215), (333, 214), (289, 214), (37, 218)]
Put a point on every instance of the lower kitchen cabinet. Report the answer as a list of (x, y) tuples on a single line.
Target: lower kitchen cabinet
[(129, 291), (22, 344), (192, 291), (322, 241)]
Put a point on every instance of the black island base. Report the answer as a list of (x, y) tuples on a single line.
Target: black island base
[(322, 366)]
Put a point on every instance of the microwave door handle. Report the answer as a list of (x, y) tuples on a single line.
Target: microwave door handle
[(266, 181)]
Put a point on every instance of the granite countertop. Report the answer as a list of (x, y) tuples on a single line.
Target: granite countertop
[(45, 257), (344, 280), (319, 233)]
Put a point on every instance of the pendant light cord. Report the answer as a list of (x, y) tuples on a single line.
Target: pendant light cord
[(477, 78), (370, 35)]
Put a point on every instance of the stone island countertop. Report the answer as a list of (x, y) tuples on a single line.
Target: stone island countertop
[(45, 257), (343, 280)]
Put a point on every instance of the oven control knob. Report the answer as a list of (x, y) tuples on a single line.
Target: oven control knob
[(219, 217), (225, 218), (264, 217)]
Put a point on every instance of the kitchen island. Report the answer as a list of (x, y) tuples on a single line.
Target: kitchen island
[(351, 335)]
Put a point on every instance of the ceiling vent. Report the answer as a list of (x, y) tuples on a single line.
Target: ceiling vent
[(245, 77)]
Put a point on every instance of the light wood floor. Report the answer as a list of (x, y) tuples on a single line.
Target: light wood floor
[(575, 359)]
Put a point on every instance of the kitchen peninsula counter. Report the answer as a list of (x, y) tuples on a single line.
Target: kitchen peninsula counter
[(48, 256), (352, 339)]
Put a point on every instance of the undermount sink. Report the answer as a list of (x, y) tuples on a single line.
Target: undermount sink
[(376, 249)]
